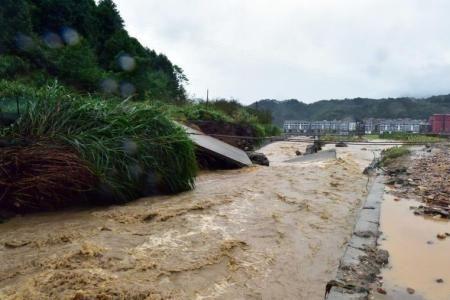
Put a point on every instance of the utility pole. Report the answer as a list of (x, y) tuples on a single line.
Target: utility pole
[(207, 98)]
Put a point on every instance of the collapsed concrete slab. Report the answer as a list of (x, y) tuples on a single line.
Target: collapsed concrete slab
[(319, 156), (218, 149)]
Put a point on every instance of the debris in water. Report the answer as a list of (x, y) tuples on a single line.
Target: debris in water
[(440, 280), (410, 290), (16, 244), (381, 291), (441, 236), (341, 144), (258, 158)]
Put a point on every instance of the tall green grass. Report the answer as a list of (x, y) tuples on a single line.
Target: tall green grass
[(132, 148), (411, 137), (204, 112), (391, 154)]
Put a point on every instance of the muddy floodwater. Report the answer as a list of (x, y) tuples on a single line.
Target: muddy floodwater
[(273, 232), (417, 257)]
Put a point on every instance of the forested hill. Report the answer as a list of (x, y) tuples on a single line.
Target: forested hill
[(356, 109), (83, 44)]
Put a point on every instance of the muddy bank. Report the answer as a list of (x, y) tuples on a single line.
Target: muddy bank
[(273, 232), (414, 225), (418, 259), (424, 176)]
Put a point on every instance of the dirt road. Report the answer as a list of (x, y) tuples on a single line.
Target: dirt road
[(258, 233)]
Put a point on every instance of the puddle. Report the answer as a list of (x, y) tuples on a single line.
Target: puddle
[(416, 257)]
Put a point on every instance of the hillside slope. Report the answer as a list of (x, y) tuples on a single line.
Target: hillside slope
[(83, 44), (358, 108)]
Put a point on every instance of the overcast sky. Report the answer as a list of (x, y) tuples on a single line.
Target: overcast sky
[(304, 49)]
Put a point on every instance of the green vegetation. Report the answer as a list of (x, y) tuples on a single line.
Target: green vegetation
[(129, 147), (343, 138), (84, 45), (405, 137), (410, 137), (226, 111), (371, 137), (96, 106), (247, 126), (389, 155), (355, 109)]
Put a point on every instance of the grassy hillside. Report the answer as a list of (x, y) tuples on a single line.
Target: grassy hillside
[(83, 44), (356, 109), (69, 149), (86, 112)]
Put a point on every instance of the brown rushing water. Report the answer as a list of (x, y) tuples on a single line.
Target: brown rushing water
[(258, 233), (416, 257)]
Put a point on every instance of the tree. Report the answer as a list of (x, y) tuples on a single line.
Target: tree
[(119, 43), (109, 19), (76, 64), (14, 20), (77, 41)]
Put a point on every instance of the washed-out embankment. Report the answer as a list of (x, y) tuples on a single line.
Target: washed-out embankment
[(415, 225)]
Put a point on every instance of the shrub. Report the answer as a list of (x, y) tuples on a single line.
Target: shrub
[(389, 155), (197, 112), (410, 137), (11, 66), (132, 149)]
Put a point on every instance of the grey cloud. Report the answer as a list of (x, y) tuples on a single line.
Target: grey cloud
[(310, 50)]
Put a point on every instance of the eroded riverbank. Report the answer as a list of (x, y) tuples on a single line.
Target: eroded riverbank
[(419, 266), (273, 232)]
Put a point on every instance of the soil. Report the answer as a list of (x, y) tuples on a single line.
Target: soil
[(273, 232), (218, 128), (414, 222), (424, 176)]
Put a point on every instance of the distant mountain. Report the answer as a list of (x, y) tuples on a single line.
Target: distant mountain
[(355, 109)]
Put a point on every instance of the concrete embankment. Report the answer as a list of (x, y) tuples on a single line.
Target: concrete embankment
[(362, 260)]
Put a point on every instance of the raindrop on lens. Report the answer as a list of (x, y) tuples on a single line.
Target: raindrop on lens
[(127, 63), (136, 171), (70, 36), (127, 89), (109, 86), (130, 147), (151, 184), (24, 42), (52, 40)]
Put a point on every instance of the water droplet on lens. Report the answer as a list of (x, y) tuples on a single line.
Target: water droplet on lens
[(127, 89), (70, 36), (24, 42), (52, 40), (130, 147), (136, 171), (127, 63), (109, 86)]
